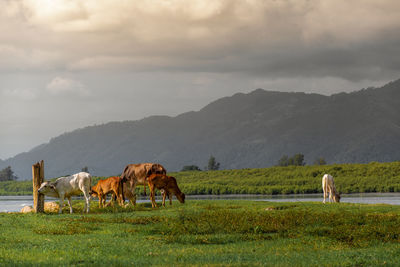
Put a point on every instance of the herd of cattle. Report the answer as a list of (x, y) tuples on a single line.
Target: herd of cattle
[(153, 174)]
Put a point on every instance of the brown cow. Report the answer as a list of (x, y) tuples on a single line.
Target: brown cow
[(168, 184), (135, 174), (110, 185)]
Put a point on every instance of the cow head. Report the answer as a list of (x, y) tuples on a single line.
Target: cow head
[(157, 169), (93, 191), (336, 197), (181, 197), (46, 188)]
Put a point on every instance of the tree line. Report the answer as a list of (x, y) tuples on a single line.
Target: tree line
[(212, 165), (7, 174), (285, 160), (298, 160)]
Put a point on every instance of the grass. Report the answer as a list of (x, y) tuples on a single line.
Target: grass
[(204, 232), (349, 178)]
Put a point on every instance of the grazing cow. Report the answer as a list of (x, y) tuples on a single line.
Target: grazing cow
[(166, 183), (110, 185), (67, 187), (328, 186), (135, 174)]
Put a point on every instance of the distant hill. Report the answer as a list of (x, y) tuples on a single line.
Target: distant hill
[(241, 131)]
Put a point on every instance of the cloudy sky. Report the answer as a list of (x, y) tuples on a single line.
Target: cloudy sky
[(66, 64)]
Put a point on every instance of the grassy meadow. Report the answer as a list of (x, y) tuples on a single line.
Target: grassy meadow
[(349, 178), (206, 233)]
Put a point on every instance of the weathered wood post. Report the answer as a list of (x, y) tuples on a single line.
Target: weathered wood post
[(38, 179)]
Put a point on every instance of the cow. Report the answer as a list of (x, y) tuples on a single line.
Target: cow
[(166, 183), (69, 186), (135, 174), (328, 186), (110, 185)]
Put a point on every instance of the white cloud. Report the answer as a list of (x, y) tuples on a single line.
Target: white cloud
[(62, 86), (21, 93)]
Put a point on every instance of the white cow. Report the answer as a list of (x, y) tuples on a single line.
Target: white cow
[(328, 186), (69, 186)]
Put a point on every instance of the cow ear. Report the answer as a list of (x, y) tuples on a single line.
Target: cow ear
[(53, 186)]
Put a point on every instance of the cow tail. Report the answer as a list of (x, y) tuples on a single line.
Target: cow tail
[(90, 187)]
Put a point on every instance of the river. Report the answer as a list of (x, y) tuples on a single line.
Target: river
[(15, 203)]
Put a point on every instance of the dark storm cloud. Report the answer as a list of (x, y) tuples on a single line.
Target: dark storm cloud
[(113, 57)]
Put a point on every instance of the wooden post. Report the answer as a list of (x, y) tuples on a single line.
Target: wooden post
[(38, 179)]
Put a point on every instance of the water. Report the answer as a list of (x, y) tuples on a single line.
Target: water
[(16, 203), (362, 198)]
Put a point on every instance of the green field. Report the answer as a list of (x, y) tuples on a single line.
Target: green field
[(206, 233), (349, 178)]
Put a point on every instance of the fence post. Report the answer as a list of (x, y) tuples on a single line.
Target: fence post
[(38, 179)]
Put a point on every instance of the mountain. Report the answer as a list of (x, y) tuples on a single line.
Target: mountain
[(241, 131)]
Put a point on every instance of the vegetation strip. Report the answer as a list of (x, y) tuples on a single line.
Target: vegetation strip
[(349, 178)]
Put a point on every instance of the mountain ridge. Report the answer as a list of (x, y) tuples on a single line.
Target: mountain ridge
[(241, 131)]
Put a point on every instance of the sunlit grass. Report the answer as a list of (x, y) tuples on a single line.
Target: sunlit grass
[(223, 232)]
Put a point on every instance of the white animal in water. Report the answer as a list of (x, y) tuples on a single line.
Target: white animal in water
[(68, 186), (328, 186)]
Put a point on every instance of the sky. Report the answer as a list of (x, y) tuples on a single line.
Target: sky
[(66, 64)]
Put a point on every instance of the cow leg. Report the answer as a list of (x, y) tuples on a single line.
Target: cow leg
[(100, 200), (70, 204), (120, 200), (153, 201), (105, 204), (114, 197), (152, 198), (170, 198), (144, 189), (133, 189), (87, 201), (118, 197), (111, 202), (163, 198), (61, 203)]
